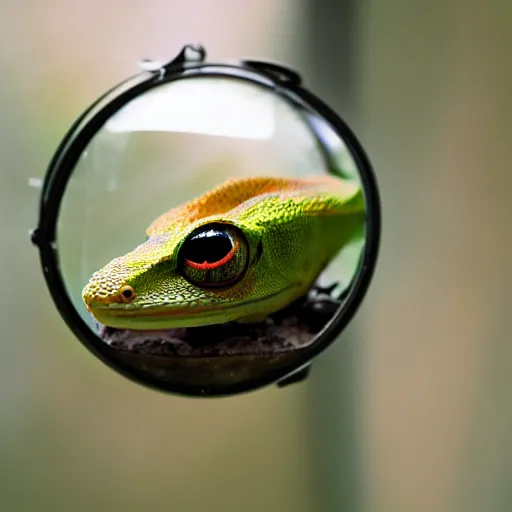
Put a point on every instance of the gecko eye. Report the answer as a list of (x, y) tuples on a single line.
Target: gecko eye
[(214, 255)]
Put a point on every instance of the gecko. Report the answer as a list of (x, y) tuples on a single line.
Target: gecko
[(238, 253)]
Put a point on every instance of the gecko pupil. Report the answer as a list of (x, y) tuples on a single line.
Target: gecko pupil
[(215, 255), (127, 294), (208, 246)]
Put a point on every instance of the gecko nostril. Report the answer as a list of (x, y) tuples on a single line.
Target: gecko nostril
[(127, 293)]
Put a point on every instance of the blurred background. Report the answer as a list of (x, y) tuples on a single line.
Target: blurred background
[(411, 409)]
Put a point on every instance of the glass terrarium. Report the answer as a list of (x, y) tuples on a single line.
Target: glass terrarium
[(208, 229)]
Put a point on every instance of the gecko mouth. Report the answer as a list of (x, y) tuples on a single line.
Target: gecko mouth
[(291, 328), (123, 318)]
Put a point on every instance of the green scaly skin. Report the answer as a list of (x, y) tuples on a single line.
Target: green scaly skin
[(293, 228)]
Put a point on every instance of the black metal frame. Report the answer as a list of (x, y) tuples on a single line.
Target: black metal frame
[(190, 64)]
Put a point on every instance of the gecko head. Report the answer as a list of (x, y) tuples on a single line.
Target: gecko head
[(196, 277)]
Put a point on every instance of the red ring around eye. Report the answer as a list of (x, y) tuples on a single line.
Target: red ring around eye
[(216, 264)]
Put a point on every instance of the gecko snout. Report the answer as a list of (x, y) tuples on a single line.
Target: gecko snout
[(94, 295)]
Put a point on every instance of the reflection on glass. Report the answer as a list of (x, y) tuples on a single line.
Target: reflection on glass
[(207, 106), (247, 231)]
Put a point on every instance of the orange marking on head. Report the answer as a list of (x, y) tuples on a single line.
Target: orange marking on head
[(231, 194)]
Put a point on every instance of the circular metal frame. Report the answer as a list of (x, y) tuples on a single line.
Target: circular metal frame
[(190, 63)]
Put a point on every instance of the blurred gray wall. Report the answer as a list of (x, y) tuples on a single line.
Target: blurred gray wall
[(331, 70), (431, 368)]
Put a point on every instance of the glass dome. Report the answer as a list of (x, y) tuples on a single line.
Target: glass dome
[(168, 145)]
